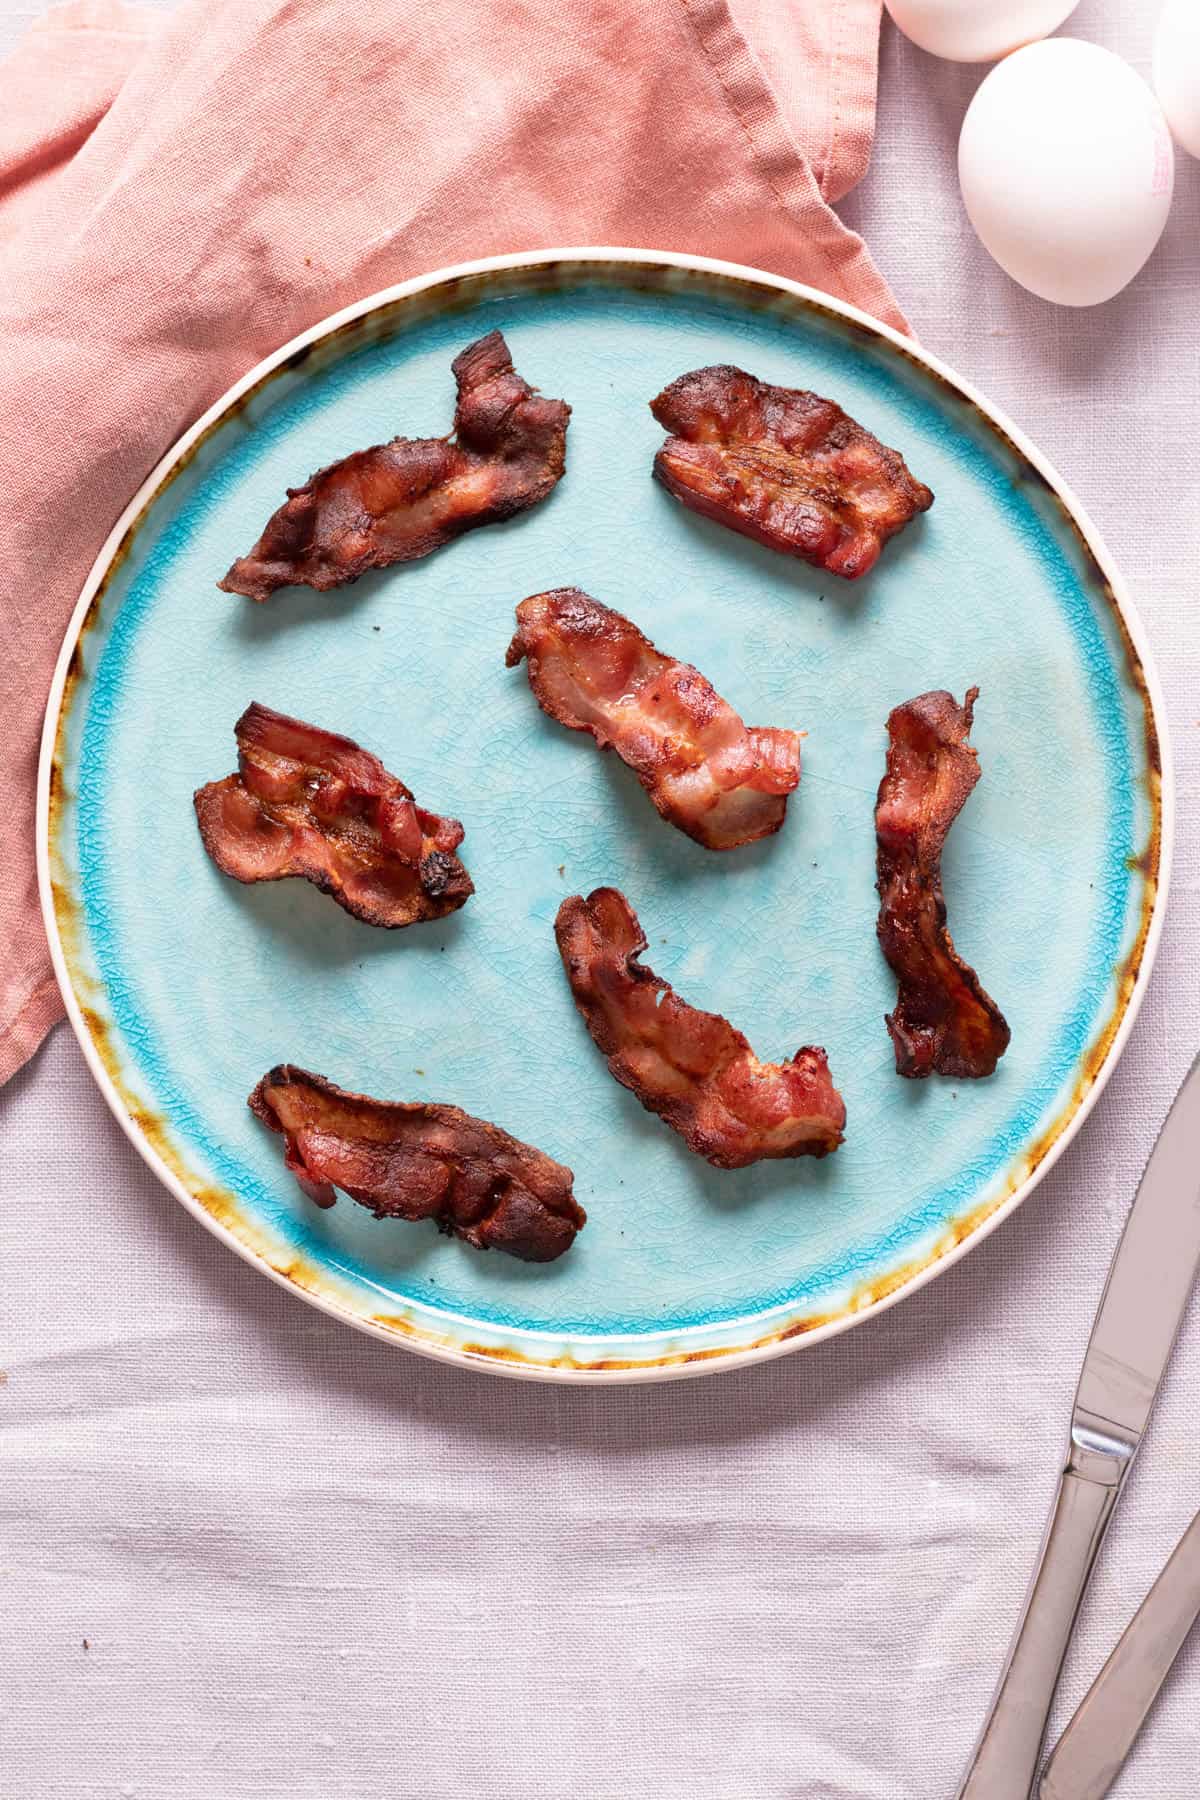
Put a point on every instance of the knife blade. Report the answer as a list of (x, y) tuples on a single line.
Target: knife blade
[(1140, 1312), (1148, 1285), (1091, 1751)]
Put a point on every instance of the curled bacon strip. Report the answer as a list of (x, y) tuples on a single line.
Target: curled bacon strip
[(943, 1021), (309, 803), (401, 500), (692, 1068), (421, 1162), (783, 466), (722, 782)]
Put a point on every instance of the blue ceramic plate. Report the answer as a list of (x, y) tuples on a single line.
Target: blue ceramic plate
[(184, 987)]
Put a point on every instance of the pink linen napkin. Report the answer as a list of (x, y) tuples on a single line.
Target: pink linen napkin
[(179, 195)]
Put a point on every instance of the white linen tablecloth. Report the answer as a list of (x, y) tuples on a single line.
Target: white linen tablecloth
[(248, 1552)]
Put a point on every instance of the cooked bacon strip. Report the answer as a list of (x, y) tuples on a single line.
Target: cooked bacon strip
[(722, 782), (307, 802), (783, 466), (692, 1068), (401, 500), (421, 1162), (943, 1019)]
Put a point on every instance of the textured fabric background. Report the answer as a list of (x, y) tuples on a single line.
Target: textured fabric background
[(311, 1567)]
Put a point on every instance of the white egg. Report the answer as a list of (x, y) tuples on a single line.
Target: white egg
[(1177, 70), (1066, 170), (977, 30)]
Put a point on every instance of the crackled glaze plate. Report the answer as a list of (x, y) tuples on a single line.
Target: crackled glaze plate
[(184, 987)]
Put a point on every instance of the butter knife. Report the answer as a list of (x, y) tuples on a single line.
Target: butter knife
[(1089, 1754), (1140, 1312)]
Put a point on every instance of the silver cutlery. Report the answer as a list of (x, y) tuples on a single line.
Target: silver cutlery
[(1140, 1312), (1089, 1754)]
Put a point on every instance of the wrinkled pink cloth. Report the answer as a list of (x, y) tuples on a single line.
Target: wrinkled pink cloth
[(180, 195)]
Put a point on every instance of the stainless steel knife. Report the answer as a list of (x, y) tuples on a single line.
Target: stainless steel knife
[(1140, 1312), (1088, 1756)]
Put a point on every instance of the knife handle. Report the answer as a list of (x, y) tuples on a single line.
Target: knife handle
[(1005, 1763), (1100, 1736)]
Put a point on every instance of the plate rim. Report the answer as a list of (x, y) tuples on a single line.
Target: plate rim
[(778, 1342)]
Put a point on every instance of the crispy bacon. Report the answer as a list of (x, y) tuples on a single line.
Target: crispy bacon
[(421, 1162), (692, 1068), (399, 501), (783, 466), (722, 782), (307, 802), (943, 1019)]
